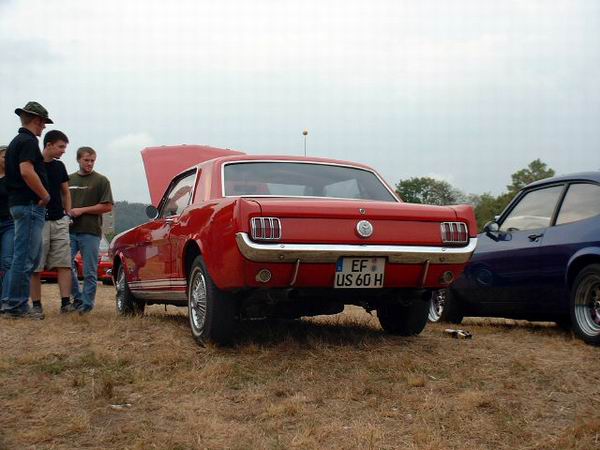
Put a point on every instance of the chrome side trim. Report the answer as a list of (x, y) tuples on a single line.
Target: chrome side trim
[(329, 253), (158, 283)]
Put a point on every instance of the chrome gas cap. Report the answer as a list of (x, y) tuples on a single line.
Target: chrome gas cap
[(364, 228)]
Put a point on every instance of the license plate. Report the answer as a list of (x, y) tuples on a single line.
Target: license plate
[(359, 273)]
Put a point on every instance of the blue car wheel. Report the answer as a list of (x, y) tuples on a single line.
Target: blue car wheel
[(585, 304)]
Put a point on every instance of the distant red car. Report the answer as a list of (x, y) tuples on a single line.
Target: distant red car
[(237, 236), (104, 265)]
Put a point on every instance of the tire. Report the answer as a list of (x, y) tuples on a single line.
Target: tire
[(438, 303), (453, 310), (211, 311), (127, 304), (585, 304), (404, 319)]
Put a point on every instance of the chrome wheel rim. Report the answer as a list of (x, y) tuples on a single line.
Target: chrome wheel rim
[(198, 302), (120, 289), (438, 301), (587, 305)]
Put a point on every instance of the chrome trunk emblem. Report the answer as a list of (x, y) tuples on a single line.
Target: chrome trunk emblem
[(364, 228)]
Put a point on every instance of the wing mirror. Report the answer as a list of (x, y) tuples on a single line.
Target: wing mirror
[(491, 227), (151, 212)]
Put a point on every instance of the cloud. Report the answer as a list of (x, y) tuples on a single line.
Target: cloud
[(476, 89), (123, 166)]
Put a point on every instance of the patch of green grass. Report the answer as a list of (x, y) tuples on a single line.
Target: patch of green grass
[(52, 368)]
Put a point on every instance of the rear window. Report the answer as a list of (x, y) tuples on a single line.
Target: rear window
[(285, 179)]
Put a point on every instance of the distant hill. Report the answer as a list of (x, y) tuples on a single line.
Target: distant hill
[(128, 215)]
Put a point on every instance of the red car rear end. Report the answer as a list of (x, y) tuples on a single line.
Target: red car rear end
[(249, 236)]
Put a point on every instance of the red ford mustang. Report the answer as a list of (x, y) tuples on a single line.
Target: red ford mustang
[(237, 236)]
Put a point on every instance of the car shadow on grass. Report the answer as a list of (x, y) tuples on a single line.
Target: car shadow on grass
[(510, 325), (307, 332)]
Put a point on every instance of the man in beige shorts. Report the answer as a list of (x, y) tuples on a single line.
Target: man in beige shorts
[(56, 247)]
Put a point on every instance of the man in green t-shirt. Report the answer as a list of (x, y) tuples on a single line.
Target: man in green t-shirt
[(90, 197)]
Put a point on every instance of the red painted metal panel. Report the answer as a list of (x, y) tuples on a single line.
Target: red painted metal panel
[(163, 163)]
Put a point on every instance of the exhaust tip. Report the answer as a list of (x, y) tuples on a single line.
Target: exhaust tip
[(263, 276), (447, 277)]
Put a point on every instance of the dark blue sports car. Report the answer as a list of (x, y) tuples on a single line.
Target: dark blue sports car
[(540, 260)]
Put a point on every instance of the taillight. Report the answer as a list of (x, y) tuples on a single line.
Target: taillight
[(454, 232), (265, 228)]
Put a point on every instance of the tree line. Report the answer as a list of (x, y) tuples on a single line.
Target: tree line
[(428, 190)]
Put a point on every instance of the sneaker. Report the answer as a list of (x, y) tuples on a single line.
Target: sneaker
[(83, 310), (37, 309), (31, 314), (67, 308)]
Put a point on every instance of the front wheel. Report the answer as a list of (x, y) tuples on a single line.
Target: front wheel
[(585, 304), (210, 310), (127, 304), (404, 319), (453, 310)]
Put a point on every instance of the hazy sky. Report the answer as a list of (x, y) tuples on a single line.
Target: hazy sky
[(464, 90)]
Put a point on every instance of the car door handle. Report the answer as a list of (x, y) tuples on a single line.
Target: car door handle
[(535, 237)]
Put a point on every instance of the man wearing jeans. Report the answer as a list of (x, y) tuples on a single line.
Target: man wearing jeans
[(27, 197), (91, 197)]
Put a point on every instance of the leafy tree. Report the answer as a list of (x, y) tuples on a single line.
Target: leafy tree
[(435, 192), (129, 215), (429, 191), (488, 207), (536, 170)]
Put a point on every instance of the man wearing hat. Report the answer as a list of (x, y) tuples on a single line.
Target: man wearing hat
[(28, 196)]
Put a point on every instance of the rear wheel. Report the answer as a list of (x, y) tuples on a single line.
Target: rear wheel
[(404, 319), (438, 303), (127, 304), (585, 304), (210, 310)]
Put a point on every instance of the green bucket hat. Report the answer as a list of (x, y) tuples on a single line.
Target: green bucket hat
[(36, 109)]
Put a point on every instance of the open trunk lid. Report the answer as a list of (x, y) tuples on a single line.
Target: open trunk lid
[(164, 162)]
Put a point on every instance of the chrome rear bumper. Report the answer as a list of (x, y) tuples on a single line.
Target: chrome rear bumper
[(329, 253)]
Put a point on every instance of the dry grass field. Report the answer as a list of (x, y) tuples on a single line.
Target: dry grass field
[(101, 381)]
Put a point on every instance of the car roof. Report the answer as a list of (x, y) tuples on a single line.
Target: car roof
[(288, 158), (578, 176)]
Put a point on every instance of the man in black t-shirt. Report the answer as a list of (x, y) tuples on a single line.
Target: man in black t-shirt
[(56, 245), (27, 197)]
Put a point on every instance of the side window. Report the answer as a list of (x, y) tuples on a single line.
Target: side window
[(582, 201), (178, 196), (533, 211)]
